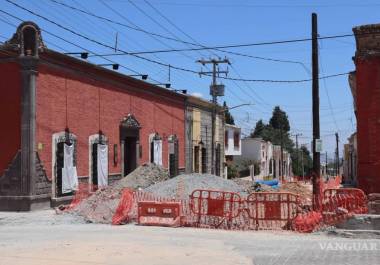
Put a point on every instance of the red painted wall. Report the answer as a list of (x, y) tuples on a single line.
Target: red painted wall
[(10, 113), (82, 108), (368, 123)]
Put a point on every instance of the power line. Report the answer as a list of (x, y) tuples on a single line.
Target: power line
[(327, 93), (136, 28), (160, 63), (212, 47), (72, 43)]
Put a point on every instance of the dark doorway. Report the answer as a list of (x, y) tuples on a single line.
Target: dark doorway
[(173, 157), (130, 154), (204, 160), (196, 159), (129, 138), (95, 165), (59, 165)]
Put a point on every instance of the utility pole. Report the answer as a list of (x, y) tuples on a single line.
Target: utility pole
[(326, 163), (282, 157), (215, 91), (303, 170), (296, 135), (316, 129), (337, 153)]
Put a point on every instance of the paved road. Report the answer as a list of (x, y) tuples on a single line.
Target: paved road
[(44, 238)]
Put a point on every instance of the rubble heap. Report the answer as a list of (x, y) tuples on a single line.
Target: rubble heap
[(301, 189), (191, 182), (101, 206)]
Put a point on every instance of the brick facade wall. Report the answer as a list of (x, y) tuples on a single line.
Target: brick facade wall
[(368, 122), (77, 101), (10, 113)]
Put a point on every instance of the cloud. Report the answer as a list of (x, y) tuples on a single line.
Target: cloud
[(197, 94)]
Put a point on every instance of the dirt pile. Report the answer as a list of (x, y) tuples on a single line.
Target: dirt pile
[(101, 206), (301, 189), (182, 186)]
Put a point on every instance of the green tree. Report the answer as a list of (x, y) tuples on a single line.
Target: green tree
[(227, 115), (279, 120), (259, 129), (277, 132)]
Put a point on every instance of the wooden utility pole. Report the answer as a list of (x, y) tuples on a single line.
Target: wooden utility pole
[(215, 92), (337, 154), (282, 155), (316, 129), (298, 152), (303, 167), (326, 163)]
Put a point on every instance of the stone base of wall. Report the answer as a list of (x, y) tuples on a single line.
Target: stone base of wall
[(24, 203), (65, 200), (113, 178)]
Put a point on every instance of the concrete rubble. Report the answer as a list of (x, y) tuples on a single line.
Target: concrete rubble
[(191, 182), (101, 206)]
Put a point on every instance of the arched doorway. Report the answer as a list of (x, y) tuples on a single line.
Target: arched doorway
[(130, 143)]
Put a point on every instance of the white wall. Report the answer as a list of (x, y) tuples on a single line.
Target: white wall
[(251, 149), (231, 150)]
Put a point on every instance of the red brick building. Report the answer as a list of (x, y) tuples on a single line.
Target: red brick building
[(365, 86), (51, 100)]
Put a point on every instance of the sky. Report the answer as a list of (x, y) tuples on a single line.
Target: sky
[(151, 25)]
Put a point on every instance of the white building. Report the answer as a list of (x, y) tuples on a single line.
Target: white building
[(265, 158), (232, 145), (232, 140)]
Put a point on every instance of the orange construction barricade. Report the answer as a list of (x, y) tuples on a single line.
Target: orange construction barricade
[(159, 213)]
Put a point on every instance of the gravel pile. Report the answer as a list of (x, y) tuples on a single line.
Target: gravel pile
[(248, 186), (245, 184), (144, 176), (101, 206), (183, 185)]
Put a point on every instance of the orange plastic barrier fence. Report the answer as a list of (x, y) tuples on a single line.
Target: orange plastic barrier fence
[(213, 208), (339, 204), (272, 210), (159, 213), (124, 208), (83, 192)]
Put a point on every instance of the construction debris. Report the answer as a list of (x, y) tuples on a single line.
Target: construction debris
[(101, 206), (301, 189), (144, 176), (190, 182)]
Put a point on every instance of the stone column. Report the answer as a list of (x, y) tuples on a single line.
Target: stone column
[(28, 124)]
